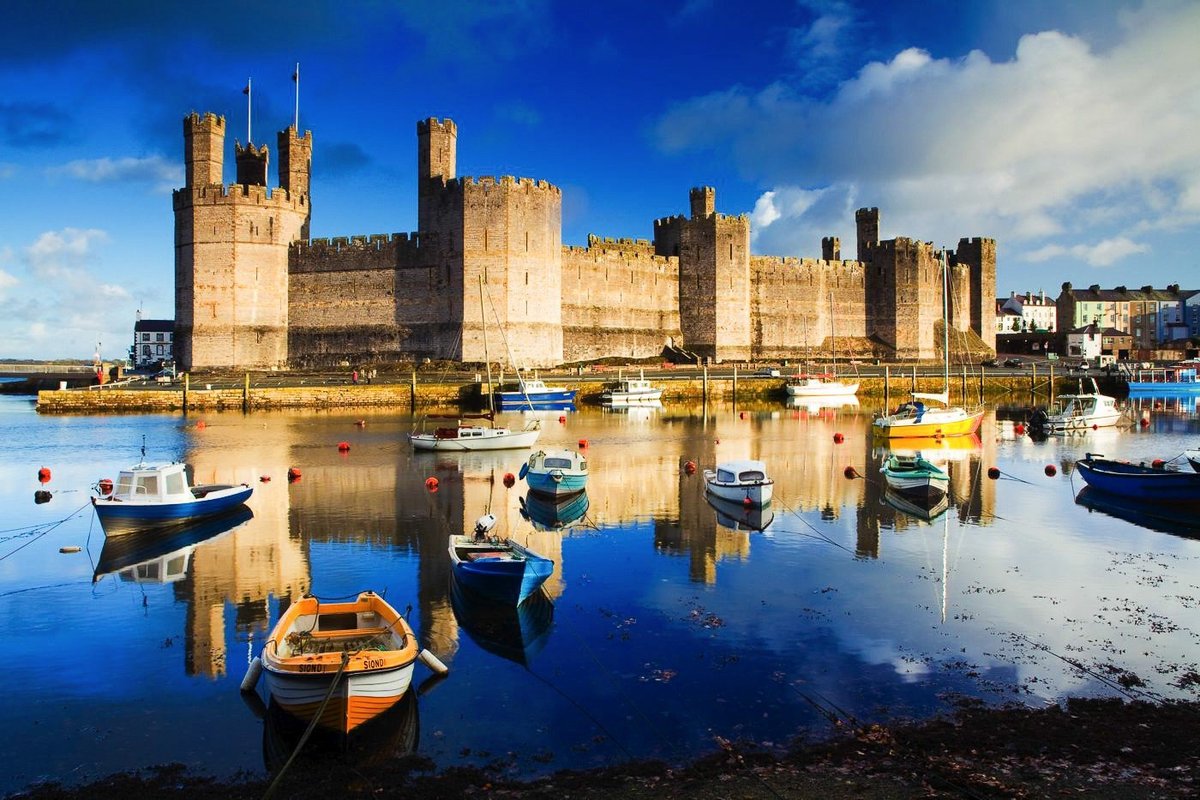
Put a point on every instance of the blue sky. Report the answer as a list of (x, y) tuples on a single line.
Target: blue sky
[(1068, 131)]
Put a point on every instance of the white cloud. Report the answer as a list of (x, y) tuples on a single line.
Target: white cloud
[(1101, 254), (1060, 139), (155, 170), (7, 170)]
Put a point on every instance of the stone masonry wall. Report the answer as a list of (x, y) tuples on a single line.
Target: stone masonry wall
[(618, 299), (792, 316)]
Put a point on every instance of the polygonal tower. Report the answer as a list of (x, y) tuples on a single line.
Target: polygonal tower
[(231, 255)]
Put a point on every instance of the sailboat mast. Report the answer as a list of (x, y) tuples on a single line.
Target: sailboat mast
[(832, 335), (945, 329), (486, 361)]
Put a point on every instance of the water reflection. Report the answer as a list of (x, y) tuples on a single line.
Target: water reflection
[(158, 556), (1183, 520), (517, 633), (823, 405), (554, 514), (393, 734), (739, 516), (920, 511)]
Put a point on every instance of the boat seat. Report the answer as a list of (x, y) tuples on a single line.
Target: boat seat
[(484, 554)]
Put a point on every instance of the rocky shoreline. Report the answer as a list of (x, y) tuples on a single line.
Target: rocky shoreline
[(1094, 748)]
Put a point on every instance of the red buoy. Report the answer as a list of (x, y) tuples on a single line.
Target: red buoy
[(1051, 471), (200, 425), (562, 419), (105, 486), (689, 467), (851, 473), (343, 446), (583, 442), (293, 474), (838, 438), (741, 415), (509, 479), (1145, 423), (747, 502), (993, 473), (1157, 463), (431, 484), (264, 479), (1020, 429), (44, 475)]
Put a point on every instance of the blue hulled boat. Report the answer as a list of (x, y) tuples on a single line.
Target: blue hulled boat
[(531, 393), (499, 569), (158, 496), (558, 473), (1155, 482)]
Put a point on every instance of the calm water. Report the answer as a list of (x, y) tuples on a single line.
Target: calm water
[(666, 625)]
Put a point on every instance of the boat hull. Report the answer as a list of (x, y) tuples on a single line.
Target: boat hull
[(1163, 387), (515, 401), (755, 494), (631, 398), (505, 572), (551, 513), (740, 516), (1140, 482), (921, 489), (501, 439), (821, 388), (130, 516), (934, 423), (356, 699)]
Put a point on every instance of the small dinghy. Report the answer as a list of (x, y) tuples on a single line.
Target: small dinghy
[(500, 570)]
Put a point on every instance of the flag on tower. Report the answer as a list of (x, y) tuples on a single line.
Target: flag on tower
[(246, 90)]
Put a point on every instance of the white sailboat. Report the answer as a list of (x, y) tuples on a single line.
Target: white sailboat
[(460, 437), (822, 385)]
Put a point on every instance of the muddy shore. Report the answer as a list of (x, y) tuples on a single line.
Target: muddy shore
[(1085, 748)]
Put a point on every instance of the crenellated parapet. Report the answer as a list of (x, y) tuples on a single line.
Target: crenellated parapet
[(377, 251), (530, 185), (236, 194)]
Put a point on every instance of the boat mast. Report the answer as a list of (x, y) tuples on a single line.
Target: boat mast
[(832, 336), (486, 361), (945, 330)]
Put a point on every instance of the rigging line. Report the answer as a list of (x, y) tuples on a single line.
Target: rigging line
[(815, 532), (46, 531), (1129, 692)]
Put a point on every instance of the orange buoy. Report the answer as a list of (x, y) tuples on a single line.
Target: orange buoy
[(583, 442), (1145, 423), (431, 484), (44, 475), (850, 472), (562, 419), (362, 423), (509, 479), (343, 446), (741, 415), (264, 479), (689, 467), (105, 486), (200, 425), (1051, 471), (1157, 463), (747, 502), (838, 438), (1020, 429), (993, 473), (293, 474)]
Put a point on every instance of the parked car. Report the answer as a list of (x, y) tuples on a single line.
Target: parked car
[(1013, 362), (989, 362), (769, 372)]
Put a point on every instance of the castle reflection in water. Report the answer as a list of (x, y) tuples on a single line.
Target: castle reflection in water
[(637, 478)]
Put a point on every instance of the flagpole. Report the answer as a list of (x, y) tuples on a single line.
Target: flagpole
[(248, 97), (296, 77)]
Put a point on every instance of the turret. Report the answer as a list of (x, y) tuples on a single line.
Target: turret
[(831, 248), (203, 149), (295, 169), (704, 202), (251, 164), (437, 144), (867, 222)]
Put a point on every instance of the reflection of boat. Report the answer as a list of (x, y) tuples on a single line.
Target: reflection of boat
[(533, 393), (148, 496), (915, 477), (1079, 412), (1156, 516), (517, 633), (922, 511), (741, 482), (551, 514), (915, 418), (821, 385), (363, 646), (1141, 482), (632, 391), (558, 473), (501, 570), (738, 516), (946, 448), (391, 735), (162, 557), (814, 405), (1193, 457)]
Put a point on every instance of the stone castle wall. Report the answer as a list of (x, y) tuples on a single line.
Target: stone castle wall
[(619, 299), (792, 301)]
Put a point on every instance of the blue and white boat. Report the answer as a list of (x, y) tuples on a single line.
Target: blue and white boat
[(158, 496), (153, 556), (517, 633), (1179, 379), (498, 569), (1157, 481), (557, 473), (740, 482), (554, 513), (531, 393)]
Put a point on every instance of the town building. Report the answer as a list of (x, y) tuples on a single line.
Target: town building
[(1028, 312), (1152, 318), (153, 342)]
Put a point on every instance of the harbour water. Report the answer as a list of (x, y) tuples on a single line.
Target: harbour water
[(667, 625)]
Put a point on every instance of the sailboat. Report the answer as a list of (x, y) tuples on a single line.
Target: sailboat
[(460, 437), (915, 419), (821, 385)]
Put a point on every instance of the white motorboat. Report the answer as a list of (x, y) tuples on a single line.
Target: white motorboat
[(740, 482), (1083, 411), (632, 391)]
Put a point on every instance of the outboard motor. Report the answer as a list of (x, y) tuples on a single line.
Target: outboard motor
[(484, 525)]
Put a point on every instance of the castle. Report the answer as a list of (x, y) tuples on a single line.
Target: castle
[(253, 290)]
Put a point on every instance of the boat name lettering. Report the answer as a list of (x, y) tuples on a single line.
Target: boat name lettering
[(312, 667), (373, 663)]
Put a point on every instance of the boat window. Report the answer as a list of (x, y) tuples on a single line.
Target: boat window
[(177, 566), (558, 463), (724, 475), (147, 485), (751, 475), (175, 483), (124, 484)]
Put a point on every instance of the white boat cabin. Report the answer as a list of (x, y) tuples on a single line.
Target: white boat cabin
[(741, 472), (151, 482)]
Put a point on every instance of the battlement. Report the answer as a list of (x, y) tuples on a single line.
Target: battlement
[(238, 194), (372, 241), (504, 182), (208, 118), (672, 220), (446, 126)]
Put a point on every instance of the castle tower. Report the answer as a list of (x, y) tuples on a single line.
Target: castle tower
[(295, 168), (979, 256), (714, 280), (831, 248), (203, 149), (252, 163), (231, 256), (866, 220), (437, 146)]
